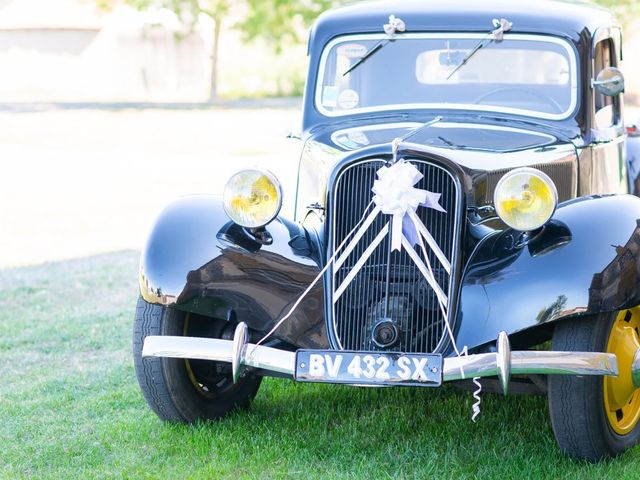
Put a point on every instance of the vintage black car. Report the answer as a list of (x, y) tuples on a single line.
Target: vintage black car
[(462, 215)]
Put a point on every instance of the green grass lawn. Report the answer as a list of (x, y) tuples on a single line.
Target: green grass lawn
[(70, 407)]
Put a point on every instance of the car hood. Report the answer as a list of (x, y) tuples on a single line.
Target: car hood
[(474, 142), (482, 149), (478, 135)]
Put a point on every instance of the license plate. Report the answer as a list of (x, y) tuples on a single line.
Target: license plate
[(369, 368)]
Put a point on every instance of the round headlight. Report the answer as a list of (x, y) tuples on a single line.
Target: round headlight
[(525, 198), (252, 198)]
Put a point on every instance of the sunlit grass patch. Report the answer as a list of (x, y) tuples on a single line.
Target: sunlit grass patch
[(71, 407)]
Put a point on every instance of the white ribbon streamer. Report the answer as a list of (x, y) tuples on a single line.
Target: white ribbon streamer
[(360, 263), (395, 194)]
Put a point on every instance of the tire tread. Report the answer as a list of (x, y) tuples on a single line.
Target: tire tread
[(576, 403), (149, 371)]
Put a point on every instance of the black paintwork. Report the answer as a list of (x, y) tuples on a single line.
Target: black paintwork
[(583, 261), (201, 262), (569, 268)]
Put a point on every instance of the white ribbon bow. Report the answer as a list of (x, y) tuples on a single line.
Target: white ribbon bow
[(501, 26), (394, 26), (395, 194)]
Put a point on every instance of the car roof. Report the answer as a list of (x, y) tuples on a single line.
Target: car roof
[(565, 18)]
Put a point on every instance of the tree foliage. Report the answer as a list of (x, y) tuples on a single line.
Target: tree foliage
[(281, 21), (188, 10), (625, 10), (278, 22)]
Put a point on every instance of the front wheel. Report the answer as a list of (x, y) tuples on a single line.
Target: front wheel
[(597, 417), (180, 390)]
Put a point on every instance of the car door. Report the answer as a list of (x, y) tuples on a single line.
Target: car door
[(608, 152)]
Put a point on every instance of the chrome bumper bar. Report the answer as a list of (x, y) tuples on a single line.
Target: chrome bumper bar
[(502, 364)]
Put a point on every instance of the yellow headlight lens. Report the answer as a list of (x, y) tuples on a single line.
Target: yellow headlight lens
[(525, 198), (252, 198)]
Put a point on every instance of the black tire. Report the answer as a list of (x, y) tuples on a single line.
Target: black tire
[(179, 390), (576, 403)]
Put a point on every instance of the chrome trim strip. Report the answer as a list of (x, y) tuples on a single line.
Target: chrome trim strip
[(445, 105), (503, 361), (532, 362), (454, 368), (195, 348), (240, 340), (219, 351)]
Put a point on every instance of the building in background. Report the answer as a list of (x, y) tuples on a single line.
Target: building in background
[(71, 51)]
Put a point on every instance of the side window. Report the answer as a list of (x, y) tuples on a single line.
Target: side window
[(607, 109)]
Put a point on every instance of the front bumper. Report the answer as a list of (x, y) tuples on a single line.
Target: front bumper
[(503, 363)]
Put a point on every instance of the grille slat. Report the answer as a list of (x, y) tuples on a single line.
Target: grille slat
[(412, 304)]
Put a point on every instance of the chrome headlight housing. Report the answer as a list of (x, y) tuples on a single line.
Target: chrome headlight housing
[(525, 198), (252, 198)]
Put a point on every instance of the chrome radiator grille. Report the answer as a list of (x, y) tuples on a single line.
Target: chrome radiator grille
[(390, 286)]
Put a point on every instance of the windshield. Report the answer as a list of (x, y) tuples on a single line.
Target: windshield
[(523, 74)]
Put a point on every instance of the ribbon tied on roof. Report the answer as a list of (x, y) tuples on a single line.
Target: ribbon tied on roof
[(501, 26), (394, 26)]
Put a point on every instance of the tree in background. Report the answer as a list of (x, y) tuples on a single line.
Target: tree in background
[(623, 8), (282, 21), (188, 11), (276, 21)]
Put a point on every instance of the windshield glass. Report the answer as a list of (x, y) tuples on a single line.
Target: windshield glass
[(524, 74)]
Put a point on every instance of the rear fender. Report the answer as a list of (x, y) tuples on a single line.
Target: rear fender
[(197, 260), (586, 261)]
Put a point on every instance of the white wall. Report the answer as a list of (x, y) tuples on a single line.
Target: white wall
[(127, 59)]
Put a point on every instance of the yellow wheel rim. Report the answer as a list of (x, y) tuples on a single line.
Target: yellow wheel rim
[(621, 398)]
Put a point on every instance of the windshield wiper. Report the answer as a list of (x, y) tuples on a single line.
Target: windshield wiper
[(365, 57), (394, 26), (495, 35)]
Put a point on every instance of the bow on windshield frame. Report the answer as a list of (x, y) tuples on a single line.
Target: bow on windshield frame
[(496, 35), (395, 25)]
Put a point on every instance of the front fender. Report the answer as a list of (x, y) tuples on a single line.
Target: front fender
[(586, 261), (197, 260)]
